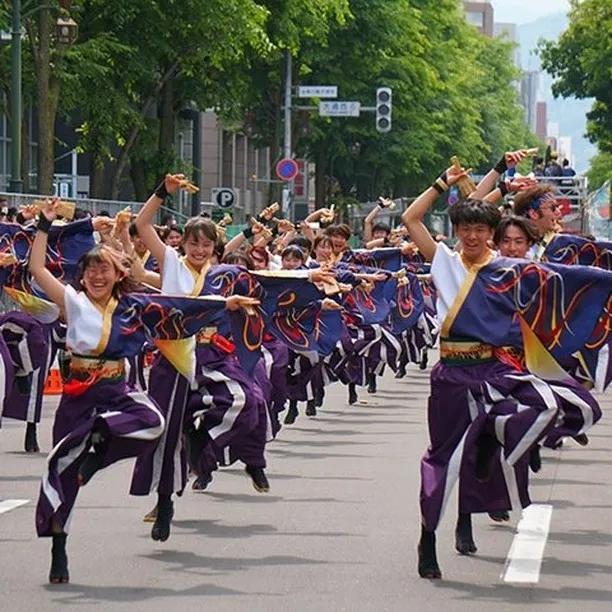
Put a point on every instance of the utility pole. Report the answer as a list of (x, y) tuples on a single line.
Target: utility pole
[(16, 182), (287, 139)]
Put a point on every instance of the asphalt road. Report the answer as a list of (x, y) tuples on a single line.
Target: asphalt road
[(338, 530)]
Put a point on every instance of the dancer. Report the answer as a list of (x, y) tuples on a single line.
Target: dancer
[(469, 385), (99, 420), (224, 414)]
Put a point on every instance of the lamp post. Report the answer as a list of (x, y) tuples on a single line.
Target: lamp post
[(66, 34), (16, 182)]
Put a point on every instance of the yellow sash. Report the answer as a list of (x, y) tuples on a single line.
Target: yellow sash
[(198, 277), (472, 269)]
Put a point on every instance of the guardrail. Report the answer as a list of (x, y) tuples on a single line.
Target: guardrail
[(94, 206), (572, 189)]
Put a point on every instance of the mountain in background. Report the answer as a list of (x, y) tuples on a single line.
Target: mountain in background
[(569, 113)]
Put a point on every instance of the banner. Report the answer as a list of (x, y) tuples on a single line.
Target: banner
[(598, 207)]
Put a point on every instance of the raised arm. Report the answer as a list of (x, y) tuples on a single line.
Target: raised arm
[(488, 183), (514, 186), (144, 220), (412, 217), (54, 289), (142, 275), (367, 224), (375, 244), (307, 230), (237, 241), (316, 215)]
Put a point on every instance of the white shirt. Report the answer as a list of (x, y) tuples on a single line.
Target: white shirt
[(84, 322), (448, 274), (176, 277)]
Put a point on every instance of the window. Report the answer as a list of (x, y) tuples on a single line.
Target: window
[(476, 18)]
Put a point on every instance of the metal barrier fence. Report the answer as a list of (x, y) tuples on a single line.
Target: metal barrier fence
[(572, 190), (18, 200)]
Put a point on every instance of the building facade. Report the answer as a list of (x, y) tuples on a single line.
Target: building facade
[(480, 15)]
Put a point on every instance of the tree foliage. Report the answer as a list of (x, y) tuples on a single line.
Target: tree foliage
[(580, 64), (453, 93), (137, 65), (600, 170)]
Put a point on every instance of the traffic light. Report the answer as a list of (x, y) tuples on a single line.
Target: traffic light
[(384, 98)]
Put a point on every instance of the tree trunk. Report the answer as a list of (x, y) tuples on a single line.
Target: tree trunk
[(125, 154), (321, 162), (166, 117), (96, 176), (138, 174)]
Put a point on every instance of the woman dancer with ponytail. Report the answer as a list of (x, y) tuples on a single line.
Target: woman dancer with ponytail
[(100, 419), (229, 408)]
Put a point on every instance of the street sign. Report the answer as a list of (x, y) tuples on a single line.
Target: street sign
[(318, 91), (339, 109), (300, 183), (225, 197), (286, 169)]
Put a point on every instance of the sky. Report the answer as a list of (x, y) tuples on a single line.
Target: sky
[(523, 11)]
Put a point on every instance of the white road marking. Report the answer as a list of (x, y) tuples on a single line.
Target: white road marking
[(525, 557), (10, 504)]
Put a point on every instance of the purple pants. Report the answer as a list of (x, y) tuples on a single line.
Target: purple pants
[(516, 407), (32, 351), (128, 420), (232, 409), (163, 467)]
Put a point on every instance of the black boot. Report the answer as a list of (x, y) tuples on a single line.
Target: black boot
[(59, 560), (582, 439), (401, 371), (201, 482), (535, 460), (94, 460), (195, 441), (428, 562), (31, 439), (500, 516), (464, 539), (258, 477), (160, 531), (292, 413), (311, 409), (352, 394), (424, 360), (371, 382), (487, 446), (319, 397)]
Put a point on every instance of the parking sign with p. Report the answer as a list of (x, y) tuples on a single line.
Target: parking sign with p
[(224, 197)]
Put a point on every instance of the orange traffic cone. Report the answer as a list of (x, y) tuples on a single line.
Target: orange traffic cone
[(53, 385)]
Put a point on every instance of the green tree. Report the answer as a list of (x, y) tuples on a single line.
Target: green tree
[(453, 93), (600, 170), (298, 27), (580, 64), (181, 53)]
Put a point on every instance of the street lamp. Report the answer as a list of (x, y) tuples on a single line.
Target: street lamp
[(66, 34), (66, 31)]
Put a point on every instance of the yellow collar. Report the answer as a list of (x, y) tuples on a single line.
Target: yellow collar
[(198, 276), (484, 260)]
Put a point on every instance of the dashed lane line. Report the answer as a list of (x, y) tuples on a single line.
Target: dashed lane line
[(525, 556), (10, 504)]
